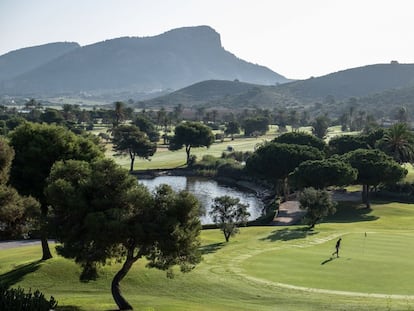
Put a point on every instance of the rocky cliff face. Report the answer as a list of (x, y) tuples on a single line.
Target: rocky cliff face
[(171, 60)]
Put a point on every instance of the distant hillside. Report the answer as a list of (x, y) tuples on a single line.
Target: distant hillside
[(356, 82), (386, 104), (171, 60), (375, 88), (20, 61), (213, 93)]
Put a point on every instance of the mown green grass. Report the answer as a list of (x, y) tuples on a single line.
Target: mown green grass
[(165, 158), (255, 270)]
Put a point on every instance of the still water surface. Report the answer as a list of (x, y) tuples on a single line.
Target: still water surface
[(206, 190)]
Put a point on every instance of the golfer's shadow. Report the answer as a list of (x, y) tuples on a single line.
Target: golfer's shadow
[(327, 260)]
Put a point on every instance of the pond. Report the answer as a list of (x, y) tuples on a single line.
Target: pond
[(206, 190)]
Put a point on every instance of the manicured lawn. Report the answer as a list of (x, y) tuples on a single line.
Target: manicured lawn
[(263, 268), (165, 158)]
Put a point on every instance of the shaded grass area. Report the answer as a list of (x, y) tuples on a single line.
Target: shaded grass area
[(346, 212), (244, 274), (18, 273)]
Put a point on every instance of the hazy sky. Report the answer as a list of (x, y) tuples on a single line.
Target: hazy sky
[(296, 38)]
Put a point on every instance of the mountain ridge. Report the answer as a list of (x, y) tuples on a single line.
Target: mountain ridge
[(16, 62), (171, 60), (367, 83)]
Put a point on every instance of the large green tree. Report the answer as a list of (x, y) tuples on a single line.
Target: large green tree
[(147, 126), (130, 140), (228, 213), (232, 127), (255, 125), (16, 212), (317, 203), (37, 147), (102, 213), (275, 161), (346, 143), (320, 126), (323, 173), (301, 138), (374, 167), (189, 135), (6, 158)]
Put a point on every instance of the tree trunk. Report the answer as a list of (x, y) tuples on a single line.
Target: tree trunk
[(115, 288), (187, 150), (45, 247), (227, 236), (46, 254), (132, 156), (365, 195), (286, 189)]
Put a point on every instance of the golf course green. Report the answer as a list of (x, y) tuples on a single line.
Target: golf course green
[(262, 268)]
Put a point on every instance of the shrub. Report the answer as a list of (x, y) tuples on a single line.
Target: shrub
[(192, 160), (207, 162), (15, 299), (239, 156), (268, 216), (230, 169)]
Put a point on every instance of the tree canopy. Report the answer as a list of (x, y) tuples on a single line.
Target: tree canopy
[(317, 203), (398, 142), (16, 212), (345, 143), (232, 127), (275, 161), (147, 126), (374, 167), (301, 138), (37, 148), (323, 173), (191, 134), (102, 213), (228, 213), (320, 126), (255, 124), (6, 158), (130, 140)]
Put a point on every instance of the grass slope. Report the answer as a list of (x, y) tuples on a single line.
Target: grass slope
[(263, 268)]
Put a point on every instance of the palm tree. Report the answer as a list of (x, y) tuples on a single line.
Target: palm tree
[(398, 142)]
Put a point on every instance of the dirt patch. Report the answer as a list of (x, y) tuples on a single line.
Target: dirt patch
[(289, 214)]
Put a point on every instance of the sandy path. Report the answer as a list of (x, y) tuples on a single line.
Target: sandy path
[(289, 214), (14, 244)]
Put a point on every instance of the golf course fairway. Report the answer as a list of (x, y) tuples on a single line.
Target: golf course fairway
[(262, 268)]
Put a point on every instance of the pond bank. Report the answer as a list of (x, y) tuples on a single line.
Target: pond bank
[(262, 192)]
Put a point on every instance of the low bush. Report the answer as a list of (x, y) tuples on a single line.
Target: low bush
[(15, 299), (239, 156), (223, 167), (399, 191), (268, 215)]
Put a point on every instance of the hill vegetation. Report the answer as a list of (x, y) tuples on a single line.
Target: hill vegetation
[(378, 90), (355, 82), (171, 60), (23, 60)]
